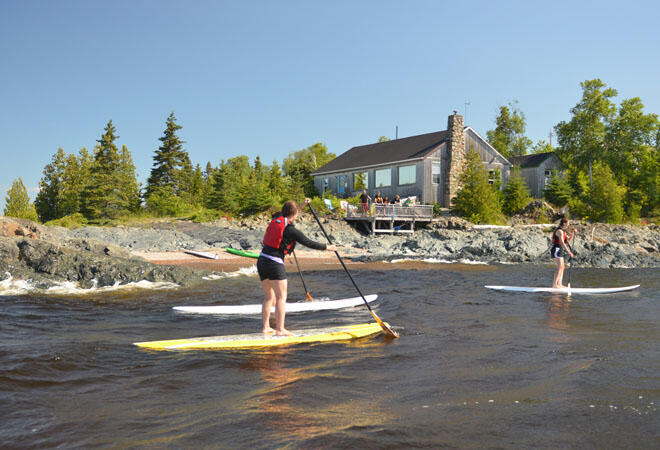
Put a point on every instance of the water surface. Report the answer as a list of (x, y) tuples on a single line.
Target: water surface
[(473, 368)]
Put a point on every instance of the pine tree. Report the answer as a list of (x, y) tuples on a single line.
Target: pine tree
[(477, 200), (128, 187), (172, 168), (558, 191), (516, 193), (103, 195), (47, 202), (275, 181), (17, 202)]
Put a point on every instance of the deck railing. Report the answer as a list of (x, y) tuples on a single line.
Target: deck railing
[(390, 211)]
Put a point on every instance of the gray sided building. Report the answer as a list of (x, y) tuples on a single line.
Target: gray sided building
[(537, 170), (427, 166)]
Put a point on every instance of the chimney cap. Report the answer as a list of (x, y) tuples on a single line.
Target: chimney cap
[(455, 112)]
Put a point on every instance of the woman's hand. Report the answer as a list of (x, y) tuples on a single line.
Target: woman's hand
[(307, 202)]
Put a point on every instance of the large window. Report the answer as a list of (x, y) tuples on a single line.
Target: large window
[(435, 173), (360, 181), (407, 175), (383, 178)]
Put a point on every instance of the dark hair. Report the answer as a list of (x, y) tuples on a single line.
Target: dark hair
[(563, 222), (290, 208)]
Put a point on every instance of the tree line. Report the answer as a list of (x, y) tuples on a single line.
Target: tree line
[(611, 153), (102, 186)]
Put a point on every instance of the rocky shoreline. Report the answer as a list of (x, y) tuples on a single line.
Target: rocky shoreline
[(107, 256)]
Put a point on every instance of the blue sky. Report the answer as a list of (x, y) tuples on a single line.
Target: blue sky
[(271, 77)]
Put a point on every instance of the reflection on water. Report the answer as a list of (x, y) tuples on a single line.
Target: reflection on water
[(473, 368)]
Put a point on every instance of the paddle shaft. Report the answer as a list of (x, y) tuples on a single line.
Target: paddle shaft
[(570, 262), (308, 296), (340, 260)]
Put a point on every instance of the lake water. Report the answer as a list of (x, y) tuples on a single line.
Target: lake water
[(473, 368)]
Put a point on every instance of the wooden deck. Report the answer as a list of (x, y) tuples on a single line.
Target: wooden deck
[(390, 218)]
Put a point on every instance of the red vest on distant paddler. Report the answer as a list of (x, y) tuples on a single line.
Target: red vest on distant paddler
[(275, 233)]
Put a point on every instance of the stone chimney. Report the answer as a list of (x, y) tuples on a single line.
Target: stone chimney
[(455, 156)]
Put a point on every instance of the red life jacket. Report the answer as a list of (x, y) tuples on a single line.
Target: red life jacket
[(275, 233), (555, 238)]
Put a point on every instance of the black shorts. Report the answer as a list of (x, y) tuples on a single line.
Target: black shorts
[(556, 252), (270, 270)]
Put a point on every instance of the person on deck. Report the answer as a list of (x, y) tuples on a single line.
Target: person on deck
[(280, 239), (396, 200), (378, 199), (364, 199), (559, 249)]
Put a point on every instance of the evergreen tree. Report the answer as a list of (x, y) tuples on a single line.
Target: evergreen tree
[(17, 202), (47, 201), (558, 191), (197, 187), (229, 181), (172, 167), (606, 196), (75, 178), (477, 200), (516, 193), (128, 185), (104, 196), (276, 182)]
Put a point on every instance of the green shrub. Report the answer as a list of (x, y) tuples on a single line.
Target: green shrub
[(72, 221)]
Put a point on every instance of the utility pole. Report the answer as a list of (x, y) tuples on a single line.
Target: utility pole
[(550, 137)]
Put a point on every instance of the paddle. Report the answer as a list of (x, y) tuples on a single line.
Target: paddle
[(382, 324), (570, 266), (308, 296)]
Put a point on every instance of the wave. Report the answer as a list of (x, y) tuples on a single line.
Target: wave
[(436, 261), (10, 286), (248, 271)]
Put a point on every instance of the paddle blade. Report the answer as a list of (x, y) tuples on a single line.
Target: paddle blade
[(386, 328)]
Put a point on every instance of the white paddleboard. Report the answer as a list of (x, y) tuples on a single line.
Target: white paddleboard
[(290, 307), (564, 290), (208, 255)]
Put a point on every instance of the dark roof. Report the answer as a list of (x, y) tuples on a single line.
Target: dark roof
[(386, 152), (534, 160)]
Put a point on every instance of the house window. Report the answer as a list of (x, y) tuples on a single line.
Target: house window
[(491, 176), (326, 185), (383, 178), (360, 181), (435, 173), (547, 177), (407, 175)]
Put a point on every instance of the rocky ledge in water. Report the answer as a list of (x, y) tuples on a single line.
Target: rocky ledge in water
[(48, 256)]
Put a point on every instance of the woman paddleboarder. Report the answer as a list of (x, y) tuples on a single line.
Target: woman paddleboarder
[(559, 249), (280, 239)]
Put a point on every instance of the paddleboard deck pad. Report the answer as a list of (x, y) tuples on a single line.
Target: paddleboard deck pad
[(290, 307), (241, 341), (564, 290), (246, 253)]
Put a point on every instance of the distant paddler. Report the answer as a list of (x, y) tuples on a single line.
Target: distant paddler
[(559, 249), (280, 239)]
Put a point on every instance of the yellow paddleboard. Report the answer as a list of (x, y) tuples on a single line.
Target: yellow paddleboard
[(235, 341)]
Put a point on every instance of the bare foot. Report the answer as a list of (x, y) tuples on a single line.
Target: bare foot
[(283, 332), (268, 330)]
